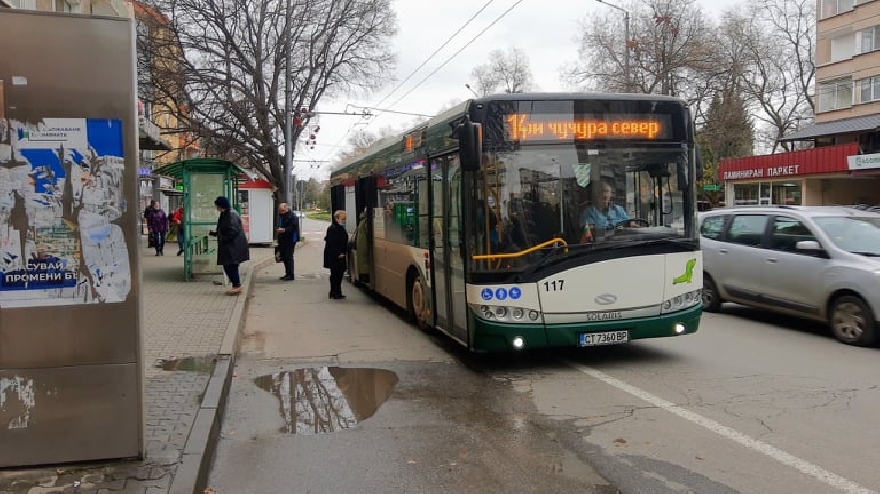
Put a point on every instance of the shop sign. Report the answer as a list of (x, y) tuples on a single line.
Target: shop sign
[(762, 172), (863, 162)]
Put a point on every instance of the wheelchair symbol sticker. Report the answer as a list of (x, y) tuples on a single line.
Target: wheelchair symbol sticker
[(486, 294)]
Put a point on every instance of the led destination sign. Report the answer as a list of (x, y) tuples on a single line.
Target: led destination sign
[(540, 127)]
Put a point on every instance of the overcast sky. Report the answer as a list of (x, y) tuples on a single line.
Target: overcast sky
[(544, 30)]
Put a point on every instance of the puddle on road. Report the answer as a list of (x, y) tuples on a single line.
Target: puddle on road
[(188, 364), (327, 399)]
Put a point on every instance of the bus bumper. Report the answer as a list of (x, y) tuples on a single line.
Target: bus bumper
[(489, 336)]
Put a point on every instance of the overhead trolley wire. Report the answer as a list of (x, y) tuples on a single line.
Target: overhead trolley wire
[(414, 72), (503, 14)]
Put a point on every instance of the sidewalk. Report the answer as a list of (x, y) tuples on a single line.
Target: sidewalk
[(186, 327)]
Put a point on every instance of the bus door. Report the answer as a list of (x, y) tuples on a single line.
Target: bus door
[(452, 198), (365, 198), (439, 251), (337, 198), (449, 282)]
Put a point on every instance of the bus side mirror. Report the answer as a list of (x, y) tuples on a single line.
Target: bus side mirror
[(470, 145)]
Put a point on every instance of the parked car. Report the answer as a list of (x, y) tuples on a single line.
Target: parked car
[(814, 262), (299, 214)]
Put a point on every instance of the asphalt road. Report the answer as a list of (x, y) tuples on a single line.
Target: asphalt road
[(345, 396)]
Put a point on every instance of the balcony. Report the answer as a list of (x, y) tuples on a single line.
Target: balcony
[(149, 136)]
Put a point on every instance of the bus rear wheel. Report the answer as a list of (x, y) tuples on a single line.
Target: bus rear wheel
[(417, 305)]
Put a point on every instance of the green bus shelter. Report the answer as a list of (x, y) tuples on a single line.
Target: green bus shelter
[(203, 180)]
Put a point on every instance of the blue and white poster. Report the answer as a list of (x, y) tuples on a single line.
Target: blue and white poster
[(61, 198)]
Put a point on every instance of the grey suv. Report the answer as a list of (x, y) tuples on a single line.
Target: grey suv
[(815, 262)]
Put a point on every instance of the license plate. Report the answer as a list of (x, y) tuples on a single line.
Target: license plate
[(598, 339)]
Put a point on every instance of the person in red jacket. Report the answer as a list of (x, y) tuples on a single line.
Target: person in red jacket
[(177, 221)]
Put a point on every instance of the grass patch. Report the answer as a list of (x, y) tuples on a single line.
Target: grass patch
[(321, 216)]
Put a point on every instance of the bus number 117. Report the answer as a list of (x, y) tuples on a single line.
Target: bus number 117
[(552, 286)]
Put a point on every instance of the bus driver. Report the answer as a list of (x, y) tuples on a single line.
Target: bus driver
[(607, 215)]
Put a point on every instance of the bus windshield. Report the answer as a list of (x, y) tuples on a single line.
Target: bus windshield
[(596, 197)]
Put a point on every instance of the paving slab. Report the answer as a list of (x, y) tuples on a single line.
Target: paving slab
[(187, 327)]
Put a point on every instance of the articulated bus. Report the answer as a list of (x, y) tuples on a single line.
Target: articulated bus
[(522, 221)]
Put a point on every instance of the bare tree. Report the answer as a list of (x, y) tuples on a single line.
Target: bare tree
[(361, 140), (778, 38), (234, 67), (507, 72), (670, 41)]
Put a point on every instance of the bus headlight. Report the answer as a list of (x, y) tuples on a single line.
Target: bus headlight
[(503, 313), (682, 302)]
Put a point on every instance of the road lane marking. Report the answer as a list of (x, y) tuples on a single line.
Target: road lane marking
[(777, 454)]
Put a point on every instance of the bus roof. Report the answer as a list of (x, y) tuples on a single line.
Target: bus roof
[(576, 96), (392, 144)]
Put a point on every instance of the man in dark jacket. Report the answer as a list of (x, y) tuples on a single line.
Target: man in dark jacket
[(335, 248), (232, 243), (288, 236)]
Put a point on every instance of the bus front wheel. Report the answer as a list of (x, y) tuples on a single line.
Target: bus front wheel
[(417, 302)]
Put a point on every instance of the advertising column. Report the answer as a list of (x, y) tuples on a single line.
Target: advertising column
[(71, 380)]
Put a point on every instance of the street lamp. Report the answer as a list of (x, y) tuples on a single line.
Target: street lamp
[(626, 68), (288, 117)]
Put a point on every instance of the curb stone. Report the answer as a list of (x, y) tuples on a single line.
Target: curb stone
[(198, 452)]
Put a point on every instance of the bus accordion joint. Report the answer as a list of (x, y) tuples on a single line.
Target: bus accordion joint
[(521, 253)]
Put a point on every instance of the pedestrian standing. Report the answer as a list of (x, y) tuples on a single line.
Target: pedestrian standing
[(335, 249), (177, 220), (232, 243), (157, 225), (146, 215), (288, 236)]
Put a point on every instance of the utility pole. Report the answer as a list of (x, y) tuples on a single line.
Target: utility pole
[(288, 115), (627, 76)]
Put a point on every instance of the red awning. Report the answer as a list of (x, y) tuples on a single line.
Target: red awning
[(826, 159)]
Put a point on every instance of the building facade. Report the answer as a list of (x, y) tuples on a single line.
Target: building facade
[(113, 8), (843, 167), (159, 101)]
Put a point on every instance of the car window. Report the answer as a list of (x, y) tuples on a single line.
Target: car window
[(712, 226), (747, 229), (854, 234), (787, 232)]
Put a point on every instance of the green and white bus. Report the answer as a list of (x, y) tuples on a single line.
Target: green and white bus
[(522, 221)]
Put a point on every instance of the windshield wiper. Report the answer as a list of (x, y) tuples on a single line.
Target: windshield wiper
[(671, 240), (866, 254), (549, 258)]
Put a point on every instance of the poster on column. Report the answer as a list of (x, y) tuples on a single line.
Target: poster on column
[(61, 199)]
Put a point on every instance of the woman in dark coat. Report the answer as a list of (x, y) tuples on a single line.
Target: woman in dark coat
[(232, 244), (335, 248)]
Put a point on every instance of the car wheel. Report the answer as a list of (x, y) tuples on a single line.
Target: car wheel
[(852, 321), (711, 298)]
